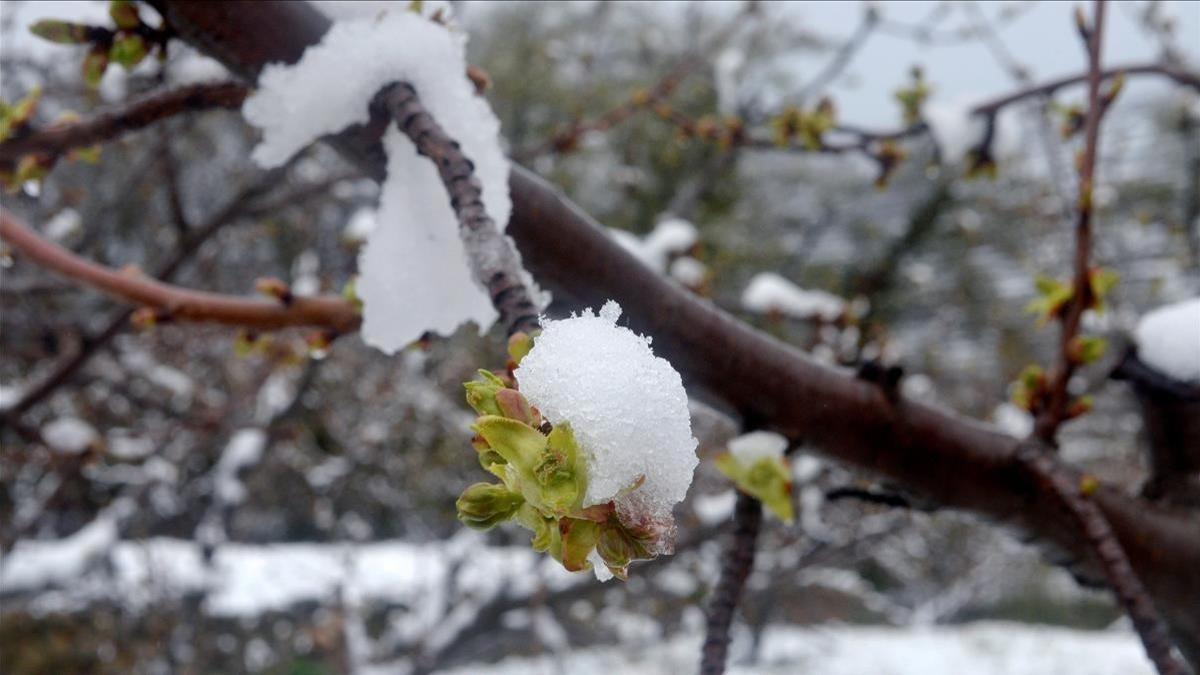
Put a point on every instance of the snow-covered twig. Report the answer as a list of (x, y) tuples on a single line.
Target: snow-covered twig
[(493, 258)]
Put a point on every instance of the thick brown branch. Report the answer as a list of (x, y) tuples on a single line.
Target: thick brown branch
[(57, 139), (180, 304), (736, 565), (494, 260)]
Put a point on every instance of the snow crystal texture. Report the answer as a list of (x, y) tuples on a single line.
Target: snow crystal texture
[(414, 274), (1168, 340), (627, 407)]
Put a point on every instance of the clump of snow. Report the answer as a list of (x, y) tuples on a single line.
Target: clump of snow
[(769, 292), (63, 224), (671, 236), (627, 407), (713, 509), (417, 246), (1168, 340), (952, 127), (1013, 420), (749, 448), (360, 226), (688, 271), (244, 449), (69, 435)]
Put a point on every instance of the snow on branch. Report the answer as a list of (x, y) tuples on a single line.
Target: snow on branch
[(769, 293), (418, 246), (1168, 340)]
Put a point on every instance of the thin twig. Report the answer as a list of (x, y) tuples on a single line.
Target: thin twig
[(58, 139), (736, 564), (181, 304), (1072, 495)]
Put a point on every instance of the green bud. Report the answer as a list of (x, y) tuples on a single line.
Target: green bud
[(519, 345), (521, 446), (62, 32), (481, 395), (618, 548), (124, 13), (482, 506), (514, 406)]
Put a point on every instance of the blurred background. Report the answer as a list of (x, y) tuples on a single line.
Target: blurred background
[(189, 499)]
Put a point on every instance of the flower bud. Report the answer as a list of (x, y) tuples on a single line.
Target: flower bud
[(482, 506)]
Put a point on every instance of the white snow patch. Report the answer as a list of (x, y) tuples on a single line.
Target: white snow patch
[(671, 236), (627, 407), (418, 247), (69, 435), (244, 449), (360, 226), (769, 292), (63, 224), (1013, 420), (688, 271), (952, 127), (749, 448), (1168, 340), (713, 509)]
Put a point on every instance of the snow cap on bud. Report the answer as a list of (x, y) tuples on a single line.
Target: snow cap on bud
[(625, 406)]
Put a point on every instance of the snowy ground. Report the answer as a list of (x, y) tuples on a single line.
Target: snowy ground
[(986, 648)]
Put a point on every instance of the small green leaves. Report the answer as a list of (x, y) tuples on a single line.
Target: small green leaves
[(766, 479), (16, 116), (561, 477), (808, 127), (912, 98), (128, 50), (1085, 349), (62, 32), (1053, 296), (1102, 280), (482, 506), (1029, 391), (124, 14)]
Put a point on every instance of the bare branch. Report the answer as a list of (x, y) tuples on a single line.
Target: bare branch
[(58, 139), (176, 303)]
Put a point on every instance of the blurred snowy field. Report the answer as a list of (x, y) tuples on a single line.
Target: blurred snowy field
[(984, 648)]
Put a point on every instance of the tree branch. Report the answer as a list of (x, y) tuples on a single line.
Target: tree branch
[(174, 302), (736, 564), (57, 139)]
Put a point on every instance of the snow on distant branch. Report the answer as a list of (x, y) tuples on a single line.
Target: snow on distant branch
[(414, 272), (768, 292), (1168, 340)]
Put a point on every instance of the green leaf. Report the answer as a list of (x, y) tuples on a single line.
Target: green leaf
[(578, 539), (94, 65), (767, 480), (1102, 280), (13, 117), (618, 548), (560, 474), (128, 50), (1087, 348), (522, 448), (124, 13), (481, 395), (62, 32), (482, 506)]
